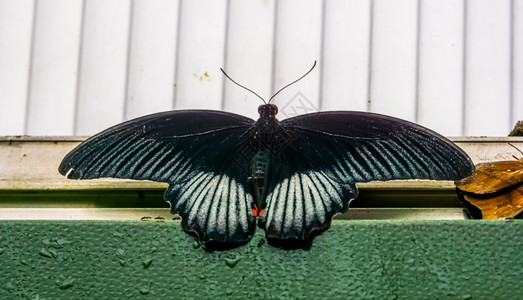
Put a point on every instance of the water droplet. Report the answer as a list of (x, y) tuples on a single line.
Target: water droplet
[(202, 276), (196, 245), (61, 242), (65, 283), (2, 250), (147, 263), (232, 262), (45, 253), (144, 290), (117, 234), (228, 292), (122, 262), (53, 253)]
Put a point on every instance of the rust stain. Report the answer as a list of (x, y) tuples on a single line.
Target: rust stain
[(204, 76)]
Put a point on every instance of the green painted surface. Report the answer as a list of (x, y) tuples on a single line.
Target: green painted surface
[(358, 259)]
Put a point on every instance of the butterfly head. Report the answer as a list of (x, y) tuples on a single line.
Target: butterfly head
[(267, 111)]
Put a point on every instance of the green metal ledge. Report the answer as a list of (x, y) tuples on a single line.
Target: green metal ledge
[(353, 259)]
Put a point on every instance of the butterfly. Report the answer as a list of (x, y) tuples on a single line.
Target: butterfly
[(228, 173), (495, 188)]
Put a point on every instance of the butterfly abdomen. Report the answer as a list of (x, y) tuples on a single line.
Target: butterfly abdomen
[(258, 176)]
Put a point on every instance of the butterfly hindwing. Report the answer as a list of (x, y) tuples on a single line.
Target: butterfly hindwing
[(508, 204), (215, 206), (301, 201)]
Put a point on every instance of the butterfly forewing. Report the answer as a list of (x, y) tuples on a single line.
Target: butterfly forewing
[(493, 177), (166, 147), (357, 147)]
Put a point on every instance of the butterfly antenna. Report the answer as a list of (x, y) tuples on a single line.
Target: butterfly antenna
[(243, 86), (314, 65), (516, 149)]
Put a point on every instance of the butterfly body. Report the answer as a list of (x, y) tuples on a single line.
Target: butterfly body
[(228, 173), (259, 174)]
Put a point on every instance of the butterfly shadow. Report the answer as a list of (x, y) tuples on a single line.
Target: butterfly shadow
[(294, 243), (287, 244), (213, 246)]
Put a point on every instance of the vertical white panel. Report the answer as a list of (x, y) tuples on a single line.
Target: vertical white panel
[(346, 55), (152, 57), (16, 20), (54, 65), (517, 54), (394, 48), (487, 68), (249, 54), (298, 45), (201, 54), (103, 65), (441, 66)]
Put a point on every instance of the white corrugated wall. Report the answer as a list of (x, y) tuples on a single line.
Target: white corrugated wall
[(78, 66)]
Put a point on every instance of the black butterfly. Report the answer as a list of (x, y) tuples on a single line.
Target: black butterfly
[(227, 172)]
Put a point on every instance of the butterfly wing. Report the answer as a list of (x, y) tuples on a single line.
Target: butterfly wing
[(495, 189), (360, 147), (326, 153), (508, 204), (167, 147), (302, 200), (493, 177), (215, 206), (194, 151)]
